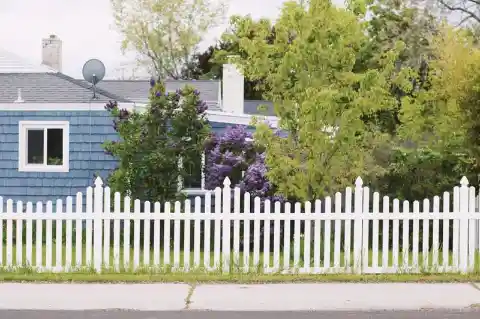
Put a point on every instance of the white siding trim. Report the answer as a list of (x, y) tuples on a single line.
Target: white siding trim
[(213, 116), (23, 126)]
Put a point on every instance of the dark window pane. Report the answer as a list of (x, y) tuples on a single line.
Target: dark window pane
[(35, 146), (194, 175), (55, 146)]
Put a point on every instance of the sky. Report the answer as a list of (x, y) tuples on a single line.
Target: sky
[(87, 30)]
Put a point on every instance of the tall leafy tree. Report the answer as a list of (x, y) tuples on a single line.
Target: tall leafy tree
[(445, 117), (165, 34), (309, 73), (391, 21)]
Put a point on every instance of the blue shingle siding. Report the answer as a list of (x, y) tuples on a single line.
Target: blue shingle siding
[(88, 130)]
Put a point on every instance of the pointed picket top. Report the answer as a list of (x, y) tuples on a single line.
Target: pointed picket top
[(227, 182), (359, 182), (464, 181), (98, 181)]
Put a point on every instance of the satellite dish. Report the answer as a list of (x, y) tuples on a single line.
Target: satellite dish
[(93, 72)]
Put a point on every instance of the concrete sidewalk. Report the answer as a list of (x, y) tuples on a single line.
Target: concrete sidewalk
[(280, 297)]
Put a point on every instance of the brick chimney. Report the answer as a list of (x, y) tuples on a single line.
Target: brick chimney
[(52, 52)]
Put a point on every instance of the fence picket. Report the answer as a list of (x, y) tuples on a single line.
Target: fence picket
[(156, 235), (446, 231), (337, 232), (106, 227), (426, 235), (208, 224), (48, 239), (246, 233), (58, 236), (146, 235), (176, 235), (226, 224), (236, 227), (456, 229), (9, 234), (19, 236), (196, 236), (217, 229), (306, 237), (327, 237), (385, 232), (395, 235), (357, 231), (296, 238), (38, 239), (98, 225), (435, 234), (463, 231), (68, 234), (78, 230), (89, 229), (166, 235), (186, 236), (116, 231), (416, 235), (286, 239), (348, 227), (375, 233), (316, 235), (266, 235), (28, 244), (365, 225), (256, 233), (137, 210), (471, 232), (126, 232), (276, 236), (406, 236)]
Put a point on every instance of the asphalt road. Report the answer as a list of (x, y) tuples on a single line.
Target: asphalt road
[(119, 314)]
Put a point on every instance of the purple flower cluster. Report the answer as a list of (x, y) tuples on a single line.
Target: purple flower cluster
[(202, 107), (234, 154)]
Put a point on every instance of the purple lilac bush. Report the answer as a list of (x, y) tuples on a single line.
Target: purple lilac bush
[(234, 154)]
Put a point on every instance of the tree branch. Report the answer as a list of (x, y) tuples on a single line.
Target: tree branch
[(469, 13)]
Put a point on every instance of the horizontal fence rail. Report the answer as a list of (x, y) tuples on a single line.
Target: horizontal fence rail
[(227, 231)]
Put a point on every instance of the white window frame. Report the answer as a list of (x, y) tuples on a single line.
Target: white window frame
[(193, 191), (23, 127)]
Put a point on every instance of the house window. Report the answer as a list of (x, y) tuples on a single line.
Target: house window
[(43, 146), (195, 180)]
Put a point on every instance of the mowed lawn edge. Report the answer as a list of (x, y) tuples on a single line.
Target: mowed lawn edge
[(144, 275)]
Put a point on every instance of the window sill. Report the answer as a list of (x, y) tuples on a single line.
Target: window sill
[(44, 168), (199, 191), (196, 191)]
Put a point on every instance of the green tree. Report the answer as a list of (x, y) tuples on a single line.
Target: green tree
[(152, 144), (165, 34), (389, 22), (209, 64), (444, 118), (319, 98)]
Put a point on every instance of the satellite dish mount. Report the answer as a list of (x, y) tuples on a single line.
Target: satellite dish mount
[(93, 72)]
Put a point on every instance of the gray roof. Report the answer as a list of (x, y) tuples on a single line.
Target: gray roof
[(49, 88), (138, 90), (252, 107)]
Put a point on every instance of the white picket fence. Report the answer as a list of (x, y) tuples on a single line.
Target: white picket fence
[(359, 234)]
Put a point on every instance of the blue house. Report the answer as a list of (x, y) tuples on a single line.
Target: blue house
[(51, 129)]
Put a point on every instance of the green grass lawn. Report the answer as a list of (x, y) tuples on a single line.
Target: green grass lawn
[(236, 262), (255, 275)]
